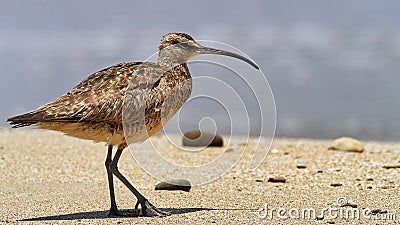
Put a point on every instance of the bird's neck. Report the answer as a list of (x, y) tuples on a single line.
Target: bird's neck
[(169, 60)]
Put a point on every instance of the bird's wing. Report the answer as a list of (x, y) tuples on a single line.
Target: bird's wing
[(144, 95), (99, 97)]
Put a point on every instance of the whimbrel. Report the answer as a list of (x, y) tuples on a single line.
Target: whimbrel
[(93, 110)]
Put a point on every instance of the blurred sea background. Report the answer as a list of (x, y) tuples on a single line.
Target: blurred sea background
[(333, 66)]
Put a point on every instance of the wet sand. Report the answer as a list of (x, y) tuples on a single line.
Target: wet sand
[(50, 178)]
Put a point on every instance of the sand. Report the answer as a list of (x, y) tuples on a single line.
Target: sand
[(50, 178)]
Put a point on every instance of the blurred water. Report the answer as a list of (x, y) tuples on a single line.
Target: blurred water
[(333, 67)]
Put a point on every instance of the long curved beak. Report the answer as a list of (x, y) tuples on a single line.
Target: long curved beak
[(207, 50)]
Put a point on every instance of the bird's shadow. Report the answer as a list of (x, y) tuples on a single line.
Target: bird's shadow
[(104, 214)]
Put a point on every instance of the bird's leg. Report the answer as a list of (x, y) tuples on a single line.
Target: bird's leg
[(113, 209), (140, 198)]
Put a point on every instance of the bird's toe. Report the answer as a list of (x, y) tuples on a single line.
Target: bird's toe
[(149, 209)]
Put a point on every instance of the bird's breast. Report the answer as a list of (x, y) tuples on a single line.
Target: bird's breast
[(163, 102)]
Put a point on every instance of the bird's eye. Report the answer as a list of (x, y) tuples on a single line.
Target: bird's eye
[(174, 42)]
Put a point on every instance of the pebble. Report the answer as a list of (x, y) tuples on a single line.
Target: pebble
[(347, 144), (349, 205), (173, 185), (259, 180), (274, 151), (229, 150), (391, 185), (301, 166), (198, 138), (277, 179), (376, 211), (394, 166), (336, 184)]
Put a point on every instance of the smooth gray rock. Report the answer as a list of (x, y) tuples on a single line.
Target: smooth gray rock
[(173, 185)]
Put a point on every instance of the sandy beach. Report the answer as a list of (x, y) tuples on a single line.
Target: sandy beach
[(51, 178)]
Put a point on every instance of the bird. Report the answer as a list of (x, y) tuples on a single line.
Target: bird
[(125, 103)]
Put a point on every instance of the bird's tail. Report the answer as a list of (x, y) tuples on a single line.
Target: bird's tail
[(27, 119)]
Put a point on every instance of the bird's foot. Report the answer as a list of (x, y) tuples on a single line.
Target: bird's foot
[(148, 207), (125, 213)]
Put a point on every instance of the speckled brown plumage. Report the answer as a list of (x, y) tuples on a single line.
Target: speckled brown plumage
[(125, 103), (93, 109)]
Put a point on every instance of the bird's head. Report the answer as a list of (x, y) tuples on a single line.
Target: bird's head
[(178, 48)]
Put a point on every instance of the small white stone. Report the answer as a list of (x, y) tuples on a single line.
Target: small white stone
[(275, 151)]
